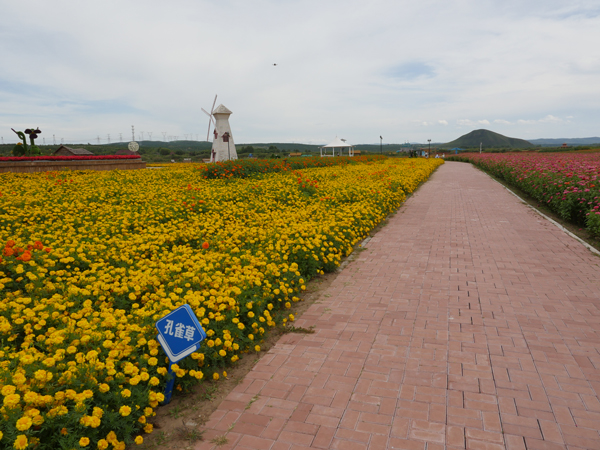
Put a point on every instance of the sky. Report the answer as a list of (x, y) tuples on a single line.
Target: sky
[(86, 71)]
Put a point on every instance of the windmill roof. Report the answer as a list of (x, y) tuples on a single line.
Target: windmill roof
[(221, 110), (337, 142)]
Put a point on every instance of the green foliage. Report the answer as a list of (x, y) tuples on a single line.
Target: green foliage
[(22, 149), (164, 151)]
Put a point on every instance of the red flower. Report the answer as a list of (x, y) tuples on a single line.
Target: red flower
[(205, 245)]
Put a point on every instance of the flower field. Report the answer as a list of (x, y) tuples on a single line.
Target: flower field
[(91, 260), (569, 183)]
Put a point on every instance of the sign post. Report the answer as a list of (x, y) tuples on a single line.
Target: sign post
[(179, 334)]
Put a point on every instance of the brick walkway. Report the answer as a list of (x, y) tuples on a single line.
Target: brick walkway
[(469, 322)]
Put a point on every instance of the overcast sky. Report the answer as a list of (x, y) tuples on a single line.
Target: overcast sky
[(404, 70)]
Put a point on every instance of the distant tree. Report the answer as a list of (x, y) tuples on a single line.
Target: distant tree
[(273, 148), (164, 151)]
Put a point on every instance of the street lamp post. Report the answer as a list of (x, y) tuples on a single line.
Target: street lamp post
[(429, 151), (380, 145)]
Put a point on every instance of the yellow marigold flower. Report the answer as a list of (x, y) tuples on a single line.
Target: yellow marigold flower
[(24, 423), (21, 442), (215, 376), (84, 442), (111, 437), (126, 393), (1, 435), (104, 387), (257, 348), (222, 352), (142, 419), (152, 361), (11, 400), (124, 410), (139, 440), (37, 420), (8, 390), (148, 428), (102, 444)]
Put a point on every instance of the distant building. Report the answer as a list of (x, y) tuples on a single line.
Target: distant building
[(63, 150)]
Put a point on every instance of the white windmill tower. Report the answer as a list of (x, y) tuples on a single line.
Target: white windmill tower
[(223, 148)]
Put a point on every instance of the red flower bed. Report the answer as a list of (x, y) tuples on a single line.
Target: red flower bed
[(67, 158)]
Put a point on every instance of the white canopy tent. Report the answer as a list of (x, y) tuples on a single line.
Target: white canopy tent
[(337, 147)]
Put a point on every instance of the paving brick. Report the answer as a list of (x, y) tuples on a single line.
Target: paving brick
[(477, 331)]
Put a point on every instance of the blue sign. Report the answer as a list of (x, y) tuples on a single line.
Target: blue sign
[(180, 333)]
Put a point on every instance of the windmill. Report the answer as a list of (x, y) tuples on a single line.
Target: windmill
[(211, 119), (223, 146)]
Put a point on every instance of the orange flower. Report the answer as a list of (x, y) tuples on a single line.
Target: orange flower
[(38, 245), (26, 256), (205, 245), (10, 243), (8, 251)]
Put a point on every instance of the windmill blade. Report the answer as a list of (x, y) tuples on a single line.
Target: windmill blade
[(208, 132), (213, 106), (212, 118)]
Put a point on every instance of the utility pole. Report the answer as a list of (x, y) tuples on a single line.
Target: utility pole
[(3, 141), (98, 139), (62, 141), (120, 137), (429, 151), (164, 133), (150, 134), (44, 139), (132, 133), (480, 145), (108, 136), (53, 140), (380, 145), (142, 135)]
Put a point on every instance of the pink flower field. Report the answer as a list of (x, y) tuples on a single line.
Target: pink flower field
[(569, 183)]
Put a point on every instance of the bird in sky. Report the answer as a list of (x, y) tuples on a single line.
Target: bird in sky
[(274, 64)]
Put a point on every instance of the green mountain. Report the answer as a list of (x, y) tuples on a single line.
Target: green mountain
[(488, 139)]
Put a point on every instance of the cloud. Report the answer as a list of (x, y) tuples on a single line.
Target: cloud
[(356, 76), (548, 119)]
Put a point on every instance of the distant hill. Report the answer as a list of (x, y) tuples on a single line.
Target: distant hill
[(568, 141), (489, 139)]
